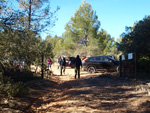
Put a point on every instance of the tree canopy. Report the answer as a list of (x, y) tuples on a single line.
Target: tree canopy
[(82, 35), (19, 30), (137, 38), (20, 33), (37, 14), (84, 25)]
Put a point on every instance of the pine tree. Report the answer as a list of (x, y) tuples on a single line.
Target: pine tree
[(84, 25)]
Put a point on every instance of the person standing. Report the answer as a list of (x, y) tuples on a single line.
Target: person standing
[(62, 65), (49, 62), (78, 63), (58, 60)]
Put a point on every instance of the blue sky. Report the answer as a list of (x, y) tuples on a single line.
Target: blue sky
[(114, 15)]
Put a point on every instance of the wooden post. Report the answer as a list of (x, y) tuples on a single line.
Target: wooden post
[(135, 65), (120, 65), (42, 73)]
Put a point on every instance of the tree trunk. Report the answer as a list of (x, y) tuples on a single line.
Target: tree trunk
[(29, 18), (2, 68)]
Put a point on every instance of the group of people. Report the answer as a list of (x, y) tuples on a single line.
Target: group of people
[(77, 65), (62, 64)]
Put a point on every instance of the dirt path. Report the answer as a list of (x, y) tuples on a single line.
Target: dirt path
[(91, 94), (97, 93)]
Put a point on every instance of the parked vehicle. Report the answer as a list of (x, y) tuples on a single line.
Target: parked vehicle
[(69, 61), (97, 63), (83, 57)]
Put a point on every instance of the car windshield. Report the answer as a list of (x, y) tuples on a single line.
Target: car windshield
[(111, 58), (106, 59)]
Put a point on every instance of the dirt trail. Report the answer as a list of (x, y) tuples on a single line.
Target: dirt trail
[(97, 93), (69, 73), (92, 94)]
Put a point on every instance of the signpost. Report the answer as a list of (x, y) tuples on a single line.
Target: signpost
[(122, 57), (131, 56)]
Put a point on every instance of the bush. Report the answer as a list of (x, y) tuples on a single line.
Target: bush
[(143, 69), (12, 80), (24, 76), (143, 65), (16, 89), (9, 88)]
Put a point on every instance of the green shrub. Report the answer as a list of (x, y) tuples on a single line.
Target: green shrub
[(143, 65), (12, 80), (9, 88), (16, 89)]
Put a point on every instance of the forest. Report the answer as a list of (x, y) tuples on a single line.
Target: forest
[(20, 40)]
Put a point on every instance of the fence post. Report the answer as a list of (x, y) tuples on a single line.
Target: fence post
[(42, 73), (120, 65), (135, 65)]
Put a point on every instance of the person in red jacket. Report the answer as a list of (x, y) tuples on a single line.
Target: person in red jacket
[(49, 62)]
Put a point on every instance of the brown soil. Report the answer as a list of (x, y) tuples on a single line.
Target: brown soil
[(97, 93)]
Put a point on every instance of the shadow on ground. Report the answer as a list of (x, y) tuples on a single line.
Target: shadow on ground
[(90, 94), (104, 93)]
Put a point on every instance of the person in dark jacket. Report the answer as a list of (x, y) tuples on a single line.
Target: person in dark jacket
[(58, 60), (62, 65), (78, 63)]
